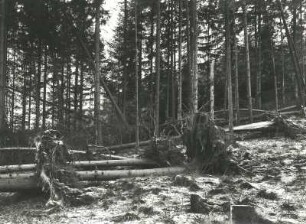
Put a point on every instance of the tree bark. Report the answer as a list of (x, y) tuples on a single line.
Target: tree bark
[(92, 163), (3, 37), (212, 89), (194, 55), (158, 58), (98, 127), (19, 182), (247, 54), (274, 76), (283, 70), (237, 106), (180, 80), (136, 76), (44, 113), (229, 67), (38, 87), (259, 63)]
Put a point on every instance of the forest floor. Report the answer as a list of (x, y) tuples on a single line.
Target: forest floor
[(276, 189)]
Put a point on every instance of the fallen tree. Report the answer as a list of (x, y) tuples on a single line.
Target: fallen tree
[(119, 147), (25, 181), (277, 125), (80, 164), (114, 174)]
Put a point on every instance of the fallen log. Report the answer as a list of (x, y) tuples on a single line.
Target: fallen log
[(127, 145), (125, 162), (25, 181), (105, 163), (253, 127), (294, 107), (18, 149), (277, 125), (114, 174), (118, 147), (114, 157), (14, 168)]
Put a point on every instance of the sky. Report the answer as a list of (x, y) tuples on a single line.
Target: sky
[(108, 30)]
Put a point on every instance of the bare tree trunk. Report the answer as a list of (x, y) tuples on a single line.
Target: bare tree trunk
[(44, 116), (180, 81), (38, 87), (229, 67), (283, 70), (158, 55), (97, 75), (30, 95), (24, 98), (60, 93), (13, 93), (212, 88), (68, 95), (274, 75), (81, 90), (76, 93), (259, 64), (124, 78), (237, 107), (173, 72), (3, 38), (136, 76), (194, 55), (301, 37), (152, 51), (247, 54)]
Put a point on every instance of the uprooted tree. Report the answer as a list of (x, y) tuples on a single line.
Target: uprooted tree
[(206, 144), (56, 175)]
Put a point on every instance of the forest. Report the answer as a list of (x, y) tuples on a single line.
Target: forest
[(217, 79), (189, 57)]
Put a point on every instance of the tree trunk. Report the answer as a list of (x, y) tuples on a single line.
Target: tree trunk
[(92, 163), (97, 75), (136, 76), (3, 37), (229, 67), (13, 94), (60, 93), (283, 70), (38, 87), (29, 92), (44, 114), (180, 80), (194, 55), (274, 75), (212, 88), (76, 93), (18, 182), (24, 97), (259, 64), (81, 90), (237, 106), (68, 95), (158, 58), (247, 54), (124, 73)]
